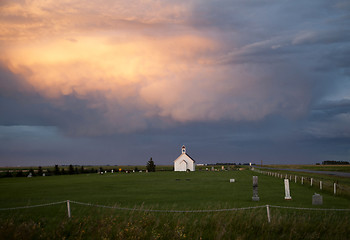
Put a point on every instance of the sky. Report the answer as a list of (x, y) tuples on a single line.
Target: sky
[(116, 82)]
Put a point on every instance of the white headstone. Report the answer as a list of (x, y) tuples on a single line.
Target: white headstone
[(255, 189), (317, 199), (286, 189), (232, 180)]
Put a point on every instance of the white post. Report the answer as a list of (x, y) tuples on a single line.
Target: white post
[(311, 182), (68, 208), (320, 185), (335, 188), (295, 178), (268, 213), (302, 180), (290, 177)]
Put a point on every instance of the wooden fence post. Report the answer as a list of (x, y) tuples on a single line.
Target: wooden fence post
[(268, 213), (68, 208)]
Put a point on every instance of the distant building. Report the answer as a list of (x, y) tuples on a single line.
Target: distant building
[(184, 162)]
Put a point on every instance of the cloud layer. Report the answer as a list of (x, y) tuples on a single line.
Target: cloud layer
[(95, 68)]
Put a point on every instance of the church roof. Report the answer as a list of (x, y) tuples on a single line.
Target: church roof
[(186, 155), (189, 157)]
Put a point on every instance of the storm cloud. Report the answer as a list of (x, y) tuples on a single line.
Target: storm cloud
[(136, 70)]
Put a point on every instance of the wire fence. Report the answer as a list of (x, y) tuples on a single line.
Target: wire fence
[(319, 183), (68, 202)]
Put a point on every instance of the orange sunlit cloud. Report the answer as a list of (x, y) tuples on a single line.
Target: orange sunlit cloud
[(124, 59)]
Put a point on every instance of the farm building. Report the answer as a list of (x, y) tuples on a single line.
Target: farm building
[(184, 162)]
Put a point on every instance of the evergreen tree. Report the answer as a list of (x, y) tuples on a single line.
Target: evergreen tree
[(70, 169), (57, 170), (151, 167), (20, 174), (40, 171), (32, 172), (8, 174)]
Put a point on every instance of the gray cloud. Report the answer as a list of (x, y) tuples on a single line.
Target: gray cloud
[(240, 77)]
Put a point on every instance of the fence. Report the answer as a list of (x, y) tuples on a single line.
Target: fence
[(322, 184), (68, 202)]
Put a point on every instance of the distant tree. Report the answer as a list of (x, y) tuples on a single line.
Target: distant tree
[(20, 174), (57, 170), (40, 171), (82, 170), (8, 174), (63, 172), (70, 169), (151, 167), (48, 172), (32, 172), (331, 162), (136, 169)]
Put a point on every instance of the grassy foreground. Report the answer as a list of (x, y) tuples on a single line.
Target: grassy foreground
[(165, 190)]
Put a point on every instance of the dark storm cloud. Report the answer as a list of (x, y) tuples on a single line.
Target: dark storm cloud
[(269, 81)]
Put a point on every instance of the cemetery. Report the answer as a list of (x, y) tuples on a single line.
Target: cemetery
[(204, 204)]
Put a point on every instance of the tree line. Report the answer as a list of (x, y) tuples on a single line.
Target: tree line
[(151, 167)]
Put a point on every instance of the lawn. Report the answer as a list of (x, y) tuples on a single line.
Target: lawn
[(201, 190)]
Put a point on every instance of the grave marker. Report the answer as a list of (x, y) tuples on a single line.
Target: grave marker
[(317, 199), (255, 189), (287, 190)]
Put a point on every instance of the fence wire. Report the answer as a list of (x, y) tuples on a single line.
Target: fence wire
[(174, 211), (33, 206), (169, 211)]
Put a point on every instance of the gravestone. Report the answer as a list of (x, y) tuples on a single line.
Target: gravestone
[(232, 180), (286, 189), (317, 199), (30, 175), (112, 171), (255, 189)]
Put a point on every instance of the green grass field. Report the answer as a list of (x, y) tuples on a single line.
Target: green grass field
[(168, 191)]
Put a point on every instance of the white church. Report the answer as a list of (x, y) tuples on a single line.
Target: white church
[(184, 162)]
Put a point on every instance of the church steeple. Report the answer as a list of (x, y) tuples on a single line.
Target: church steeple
[(183, 149)]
